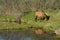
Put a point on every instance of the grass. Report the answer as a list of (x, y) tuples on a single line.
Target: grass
[(53, 23), (28, 21)]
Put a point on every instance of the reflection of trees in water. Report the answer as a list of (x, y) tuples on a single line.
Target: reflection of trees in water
[(25, 35), (3, 34)]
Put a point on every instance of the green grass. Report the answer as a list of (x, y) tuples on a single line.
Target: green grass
[(28, 20), (53, 23)]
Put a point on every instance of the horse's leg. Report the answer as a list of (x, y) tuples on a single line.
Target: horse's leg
[(36, 19), (43, 18)]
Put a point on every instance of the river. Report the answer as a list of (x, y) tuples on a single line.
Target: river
[(24, 35)]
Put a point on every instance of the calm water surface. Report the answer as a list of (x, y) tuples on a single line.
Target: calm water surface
[(24, 35)]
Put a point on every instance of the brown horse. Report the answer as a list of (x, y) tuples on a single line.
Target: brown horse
[(42, 15)]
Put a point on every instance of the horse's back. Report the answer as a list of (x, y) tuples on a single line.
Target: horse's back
[(39, 14)]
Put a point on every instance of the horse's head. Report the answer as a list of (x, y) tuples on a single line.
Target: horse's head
[(47, 17)]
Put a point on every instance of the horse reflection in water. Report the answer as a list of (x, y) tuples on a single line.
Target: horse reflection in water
[(43, 35), (39, 31)]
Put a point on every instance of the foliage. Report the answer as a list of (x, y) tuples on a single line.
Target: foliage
[(14, 7)]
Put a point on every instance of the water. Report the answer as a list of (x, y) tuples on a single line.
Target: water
[(24, 35), (26, 38), (19, 35), (1, 38)]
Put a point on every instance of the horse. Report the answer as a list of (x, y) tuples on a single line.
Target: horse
[(42, 15)]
